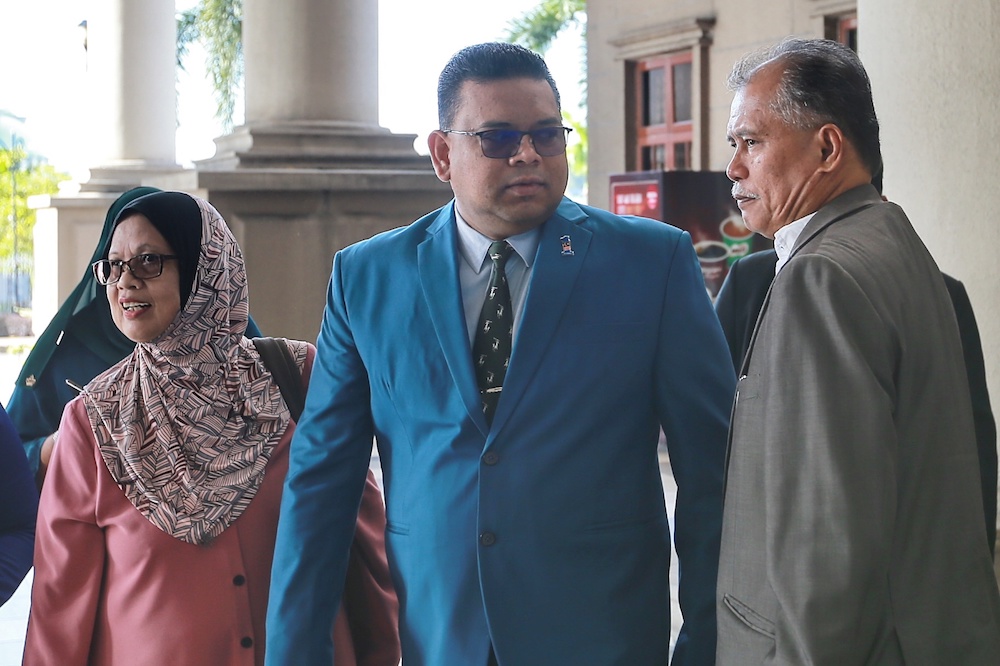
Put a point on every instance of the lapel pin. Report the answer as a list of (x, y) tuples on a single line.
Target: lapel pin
[(567, 246)]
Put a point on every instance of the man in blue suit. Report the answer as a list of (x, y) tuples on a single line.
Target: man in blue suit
[(526, 518)]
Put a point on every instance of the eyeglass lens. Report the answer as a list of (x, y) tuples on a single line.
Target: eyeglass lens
[(142, 266), (502, 144)]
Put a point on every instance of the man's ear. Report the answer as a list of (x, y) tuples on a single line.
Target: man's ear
[(832, 145), (437, 142)]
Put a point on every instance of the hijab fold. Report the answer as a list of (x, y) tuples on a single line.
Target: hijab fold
[(187, 423)]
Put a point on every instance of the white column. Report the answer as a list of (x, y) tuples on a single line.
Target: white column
[(131, 128), (311, 60), (131, 65), (936, 100), (311, 81), (311, 170)]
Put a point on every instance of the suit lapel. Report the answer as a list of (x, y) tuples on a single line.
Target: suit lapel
[(437, 266), (553, 276), (846, 204)]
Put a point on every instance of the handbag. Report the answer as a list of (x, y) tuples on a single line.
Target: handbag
[(370, 618), (281, 364)]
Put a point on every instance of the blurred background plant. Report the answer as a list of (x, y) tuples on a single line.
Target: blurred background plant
[(537, 29), (24, 174), (218, 26)]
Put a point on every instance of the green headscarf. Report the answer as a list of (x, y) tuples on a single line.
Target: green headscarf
[(86, 311)]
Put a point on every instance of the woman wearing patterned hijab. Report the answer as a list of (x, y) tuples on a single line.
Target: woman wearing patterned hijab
[(79, 343), (158, 515)]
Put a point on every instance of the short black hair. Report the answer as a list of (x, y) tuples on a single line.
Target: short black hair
[(822, 82), (492, 61)]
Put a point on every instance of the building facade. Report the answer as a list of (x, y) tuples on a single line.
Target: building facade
[(657, 76), (658, 99)]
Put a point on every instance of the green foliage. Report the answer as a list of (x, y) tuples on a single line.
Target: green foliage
[(577, 149), (187, 33), (21, 178), (538, 28), (576, 155), (218, 26)]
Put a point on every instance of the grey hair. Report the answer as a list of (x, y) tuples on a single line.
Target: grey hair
[(822, 82)]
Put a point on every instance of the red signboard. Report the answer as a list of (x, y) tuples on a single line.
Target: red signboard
[(640, 197), (698, 202)]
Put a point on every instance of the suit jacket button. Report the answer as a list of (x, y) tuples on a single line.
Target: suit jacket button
[(491, 458), (487, 538)]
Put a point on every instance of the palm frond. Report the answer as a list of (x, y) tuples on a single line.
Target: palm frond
[(218, 25), (187, 32), (538, 28)]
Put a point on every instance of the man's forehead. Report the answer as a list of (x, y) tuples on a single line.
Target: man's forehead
[(752, 105), (738, 113), (509, 88)]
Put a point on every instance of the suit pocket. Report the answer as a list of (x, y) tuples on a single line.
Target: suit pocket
[(749, 616)]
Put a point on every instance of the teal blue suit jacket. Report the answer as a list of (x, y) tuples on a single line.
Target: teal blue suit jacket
[(545, 535)]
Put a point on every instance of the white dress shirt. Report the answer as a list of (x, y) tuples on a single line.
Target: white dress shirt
[(784, 240)]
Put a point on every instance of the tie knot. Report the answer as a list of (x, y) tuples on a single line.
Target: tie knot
[(500, 252)]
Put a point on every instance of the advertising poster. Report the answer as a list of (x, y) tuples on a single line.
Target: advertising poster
[(698, 202)]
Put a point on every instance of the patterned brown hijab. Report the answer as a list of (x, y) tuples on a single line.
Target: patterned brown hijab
[(187, 422)]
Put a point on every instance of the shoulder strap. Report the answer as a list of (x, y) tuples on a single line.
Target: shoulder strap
[(279, 361)]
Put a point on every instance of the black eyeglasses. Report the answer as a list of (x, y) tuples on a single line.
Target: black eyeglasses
[(142, 266), (502, 144)]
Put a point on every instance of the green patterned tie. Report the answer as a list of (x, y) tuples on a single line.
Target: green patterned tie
[(492, 345)]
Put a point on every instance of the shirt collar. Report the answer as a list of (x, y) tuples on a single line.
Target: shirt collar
[(785, 238), (473, 246)]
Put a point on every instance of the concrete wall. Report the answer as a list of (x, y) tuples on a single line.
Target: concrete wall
[(65, 238)]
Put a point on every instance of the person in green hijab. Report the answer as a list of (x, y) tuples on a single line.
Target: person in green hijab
[(79, 343)]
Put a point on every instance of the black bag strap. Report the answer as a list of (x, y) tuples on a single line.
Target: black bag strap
[(280, 362)]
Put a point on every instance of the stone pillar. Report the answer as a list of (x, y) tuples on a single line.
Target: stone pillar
[(936, 100), (131, 71), (131, 66), (310, 171), (311, 81), (325, 67)]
